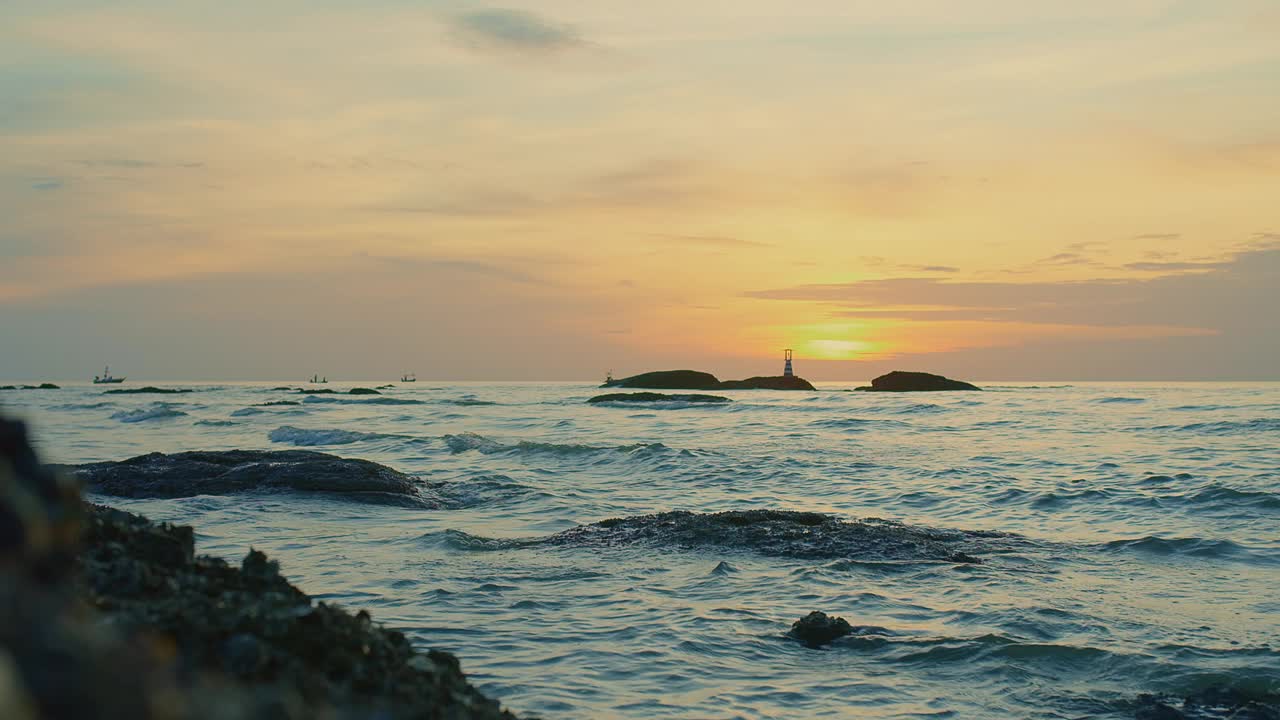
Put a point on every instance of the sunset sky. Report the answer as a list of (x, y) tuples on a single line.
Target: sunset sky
[(991, 189)]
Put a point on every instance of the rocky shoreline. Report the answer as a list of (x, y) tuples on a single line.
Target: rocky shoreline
[(105, 614)]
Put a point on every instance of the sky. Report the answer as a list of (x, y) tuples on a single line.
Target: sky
[(988, 189)]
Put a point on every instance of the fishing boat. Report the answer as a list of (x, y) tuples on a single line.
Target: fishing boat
[(409, 377), (317, 380), (105, 378)]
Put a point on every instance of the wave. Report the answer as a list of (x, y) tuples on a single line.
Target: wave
[(1227, 427), (312, 399), (304, 437), (84, 406), (1119, 401), (480, 490), (159, 411), (244, 412), (1228, 495), (465, 442), (856, 424), (215, 423), (468, 402), (1186, 547)]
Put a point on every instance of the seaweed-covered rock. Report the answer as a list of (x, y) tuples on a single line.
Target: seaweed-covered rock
[(132, 624), (668, 380), (147, 390), (783, 533), (771, 382), (901, 381), (818, 628), (644, 397), (230, 471)]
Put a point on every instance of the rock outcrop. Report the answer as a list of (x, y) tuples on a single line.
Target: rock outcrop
[(363, 391), (781, 533), (901, 381), (772, 382), (818, 628), (107, 615), (41, 386), (668, 380), (696, 380), (231, 471), (644, 397)]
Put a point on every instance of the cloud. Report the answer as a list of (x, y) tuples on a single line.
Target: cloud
[(1172, 266), (932, 268), (710, 241), (47, 184), (1158, 236), (1224, 297), (514, 30)]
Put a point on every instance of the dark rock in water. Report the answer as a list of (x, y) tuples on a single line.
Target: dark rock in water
[(642, 397), (818, 628), (900, 381), (773, 382), (274, 403), (668, 380), (231, 471), (322, 391), (48, 386), (148, 390), (695, 380), (284, 387), (132, 624), (363, 391), (41, 386), (782, 533), (1211, 703)]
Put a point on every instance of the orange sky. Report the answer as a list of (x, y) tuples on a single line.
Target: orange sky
[(556, 189)]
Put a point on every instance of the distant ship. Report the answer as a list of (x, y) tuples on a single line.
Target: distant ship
[(409, 377), (316, 379), (105, 378)]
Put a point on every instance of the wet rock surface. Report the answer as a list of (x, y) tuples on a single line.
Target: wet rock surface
[(901, 381), (643, 397), (104, 614), (232, 471), (41, 386), (818, 628), (784, 533)]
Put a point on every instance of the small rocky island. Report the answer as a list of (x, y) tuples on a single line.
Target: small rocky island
[(697, 380), (901, 381), (648, 397)]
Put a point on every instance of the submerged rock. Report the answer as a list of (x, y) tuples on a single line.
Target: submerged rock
[(148, 390), (818, 628), (668, 380), (642, 397), (230, 471), (782, 533), (901, 381), (773, 382)]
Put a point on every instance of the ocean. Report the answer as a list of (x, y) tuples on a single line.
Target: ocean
[(1129, 537)]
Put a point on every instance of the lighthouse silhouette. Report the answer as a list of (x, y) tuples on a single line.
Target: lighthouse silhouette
[(786, 369)]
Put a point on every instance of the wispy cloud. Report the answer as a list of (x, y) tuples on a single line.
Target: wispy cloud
[(709, 241), (1158, 236), (514, 30)]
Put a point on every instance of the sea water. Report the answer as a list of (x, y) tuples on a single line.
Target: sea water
[(1147, 520)]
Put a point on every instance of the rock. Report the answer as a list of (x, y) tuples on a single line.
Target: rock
[(695, 380), (817, 629), (642, 397), (48, 386), (773, 382), (668, 380), (322, 391), (148, 390), (1215, 702), (230, 471), (900, 381), (782, 533), (363, 391), (41, 386), (274, 403), (134, 625)]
